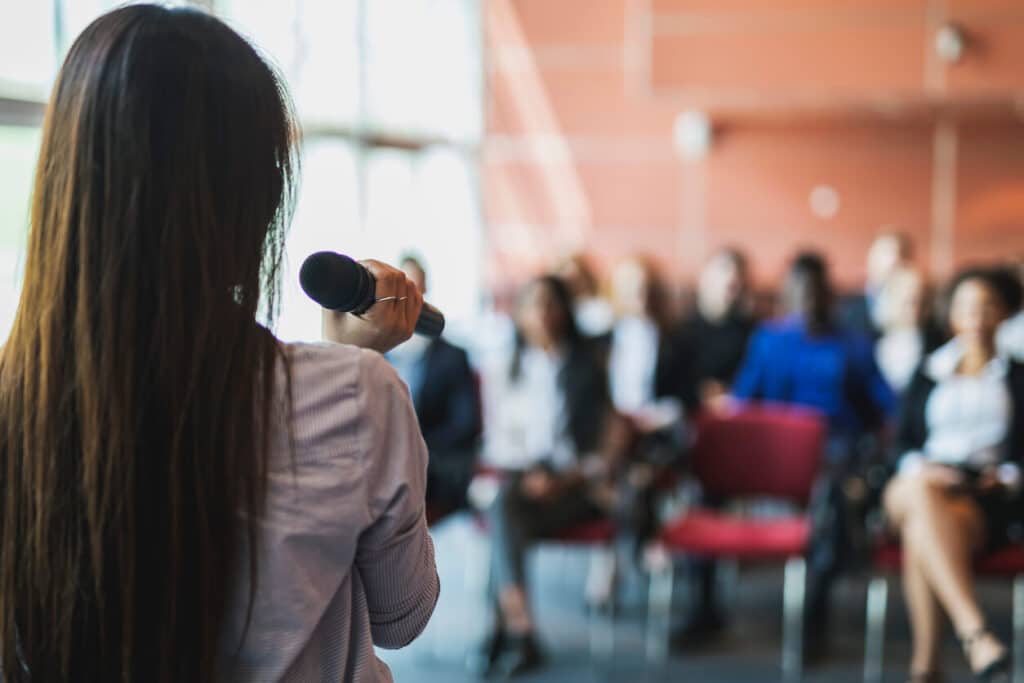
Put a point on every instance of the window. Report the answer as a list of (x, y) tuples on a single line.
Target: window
[(425, 203), (424, 68), (28, 55), (407, 72), (315, 46), (327, 217), (389, 96), (18, 149)]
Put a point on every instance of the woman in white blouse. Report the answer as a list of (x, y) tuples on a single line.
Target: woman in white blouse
[(546, 413), (959, 441)]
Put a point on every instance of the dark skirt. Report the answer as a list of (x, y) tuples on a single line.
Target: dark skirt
[(1004, 521)]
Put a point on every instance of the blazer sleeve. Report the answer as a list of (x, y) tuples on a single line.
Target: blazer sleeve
[(587, 399), (911, 427), (873, 398), (462, 423), (1015, 444), (676, 376), (395, 555), (749, 382)]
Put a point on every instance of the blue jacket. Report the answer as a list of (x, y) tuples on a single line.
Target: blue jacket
[(834, 373)]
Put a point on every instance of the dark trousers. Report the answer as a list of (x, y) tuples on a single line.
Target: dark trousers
[(516, 522)]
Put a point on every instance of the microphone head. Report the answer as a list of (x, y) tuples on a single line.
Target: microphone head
[(336, 282)]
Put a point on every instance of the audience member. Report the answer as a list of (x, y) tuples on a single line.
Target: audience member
[(906, 334), (594, 315), (446, 397), (716, 333), (652, 390), (548, 419), (859, 314), (956, 492), (648, 372), (715, 336), (804, 359)]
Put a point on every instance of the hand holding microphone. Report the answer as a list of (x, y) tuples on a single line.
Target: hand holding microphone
[(369, 303)]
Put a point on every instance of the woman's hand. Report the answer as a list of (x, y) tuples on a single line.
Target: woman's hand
[(942, 476), (988, 480), (538, 485), (387, 323)]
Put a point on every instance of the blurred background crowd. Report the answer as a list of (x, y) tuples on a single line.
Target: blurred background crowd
[(645, 220)]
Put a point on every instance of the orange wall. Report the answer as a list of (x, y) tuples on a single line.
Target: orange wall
[(583, 94)]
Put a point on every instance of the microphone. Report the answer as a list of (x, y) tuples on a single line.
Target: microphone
[(341, 284)]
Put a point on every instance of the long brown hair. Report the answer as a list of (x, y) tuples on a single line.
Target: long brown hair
[(136, 384)]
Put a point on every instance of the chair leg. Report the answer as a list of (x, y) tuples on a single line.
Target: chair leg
[(874, 637), (794, 591), (602, 630), (476, 578), (659, 609), (1018, 629)]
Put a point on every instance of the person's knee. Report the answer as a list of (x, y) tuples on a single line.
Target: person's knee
[(915, 494)]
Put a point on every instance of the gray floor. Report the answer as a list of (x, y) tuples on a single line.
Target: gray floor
[(749, 652)]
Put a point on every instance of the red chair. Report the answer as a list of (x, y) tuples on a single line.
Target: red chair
[(1007, 562), (765, 451)]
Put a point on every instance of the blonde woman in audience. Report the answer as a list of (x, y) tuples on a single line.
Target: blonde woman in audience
[(906, 335), (957, 489), (652, 391), (890, 251)]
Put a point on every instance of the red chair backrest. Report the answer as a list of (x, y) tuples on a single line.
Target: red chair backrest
[(763, 450)]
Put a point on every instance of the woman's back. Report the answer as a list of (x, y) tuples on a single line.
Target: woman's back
[(345, 561)]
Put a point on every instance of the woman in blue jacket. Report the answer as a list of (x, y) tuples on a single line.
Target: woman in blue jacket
[(805, 359)]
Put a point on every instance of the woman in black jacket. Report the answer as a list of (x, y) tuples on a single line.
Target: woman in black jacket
[(959, 444)]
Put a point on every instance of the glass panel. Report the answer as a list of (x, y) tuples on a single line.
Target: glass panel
[(314, 44), (19, 148), (27, 53), (327, 217), (77, 14), (455, 108), (426, 204), (448, 235), (391, 210), (424, 67), (325, 81)]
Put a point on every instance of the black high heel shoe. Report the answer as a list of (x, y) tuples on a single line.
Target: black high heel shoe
[(996, 671), (926, 677), (519, 655)]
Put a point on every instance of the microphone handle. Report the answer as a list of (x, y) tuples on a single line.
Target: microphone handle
[(430, 322)]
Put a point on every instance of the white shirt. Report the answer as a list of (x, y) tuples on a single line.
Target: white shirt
[(968, 417), (526, 418), (898, 353), (632, 363)]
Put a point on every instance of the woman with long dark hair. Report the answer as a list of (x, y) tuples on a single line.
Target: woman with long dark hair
[(184, 498), (805, 359), (547, 415)]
